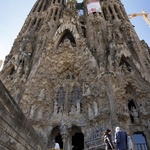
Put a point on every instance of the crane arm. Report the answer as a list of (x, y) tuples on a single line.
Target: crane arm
[(143, 14), (135, 15), (146, 18)]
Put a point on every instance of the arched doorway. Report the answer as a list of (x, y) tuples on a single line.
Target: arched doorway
[(58, 139), (77, 139), (55, 135)]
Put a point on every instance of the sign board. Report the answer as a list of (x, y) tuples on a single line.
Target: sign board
[(93, 6)]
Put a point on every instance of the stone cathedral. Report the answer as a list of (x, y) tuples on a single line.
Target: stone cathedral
[(76, 69)]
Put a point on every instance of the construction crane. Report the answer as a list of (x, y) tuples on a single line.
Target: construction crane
[(144, 14)]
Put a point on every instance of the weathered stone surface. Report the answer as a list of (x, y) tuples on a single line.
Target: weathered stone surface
[(15, 131), (74, 76)]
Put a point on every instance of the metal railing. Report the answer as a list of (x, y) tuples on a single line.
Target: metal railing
[(141, 146)]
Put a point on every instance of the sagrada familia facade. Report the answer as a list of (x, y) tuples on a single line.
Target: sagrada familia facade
[(76, 69)]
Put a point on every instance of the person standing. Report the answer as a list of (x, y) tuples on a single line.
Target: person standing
[(56, 145), (107, 140), (130, 144), (121, 139)]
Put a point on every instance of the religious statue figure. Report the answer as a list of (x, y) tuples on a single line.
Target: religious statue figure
[(95, 107), (86, 90), (39, 113), (125, 111), (90, 111), (32, 111), (60, 110), (73, 110), (143, 109), (42, 95), (135, 115)]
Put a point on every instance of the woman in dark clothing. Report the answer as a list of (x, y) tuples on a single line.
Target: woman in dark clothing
[(107, 140)]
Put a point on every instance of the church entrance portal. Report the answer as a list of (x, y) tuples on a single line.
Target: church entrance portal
[(58, 139), (74, 142), (55, 135), (78, 141)]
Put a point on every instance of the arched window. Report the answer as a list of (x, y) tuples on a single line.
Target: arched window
[(76, 94), (68, 35), (61, 96), (123, 61)]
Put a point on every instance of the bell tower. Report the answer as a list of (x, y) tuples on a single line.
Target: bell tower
[(76, 69)]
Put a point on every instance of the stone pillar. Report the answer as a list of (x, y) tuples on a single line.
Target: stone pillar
[(31, 23), (119, 11), (78, 107), (39, 6), (49, 15), (37, 23), (108, 13), (95, 107), (61, 1), (44, 4), (89, 110), (64, 130), (65, 141), (53, 14), (113, 12), (66, 101), (58, 14)]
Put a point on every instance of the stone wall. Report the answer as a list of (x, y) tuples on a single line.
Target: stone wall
[(15, 131)]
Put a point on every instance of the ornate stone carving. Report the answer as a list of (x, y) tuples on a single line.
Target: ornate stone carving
[(86, 90), (135, 115), (123, 114)]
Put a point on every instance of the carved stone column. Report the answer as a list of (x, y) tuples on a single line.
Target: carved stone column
[(65, 140), (64, 130)]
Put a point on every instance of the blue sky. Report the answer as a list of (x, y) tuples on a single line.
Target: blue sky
[(14, 12), (141, 27)]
